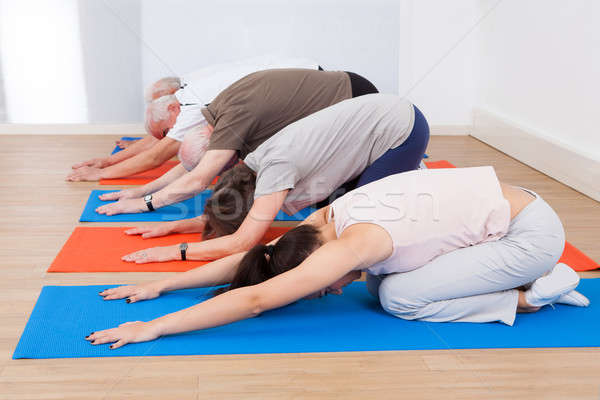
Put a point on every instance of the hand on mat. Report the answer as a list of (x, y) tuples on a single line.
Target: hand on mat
[(85, 174), (94, 162), (129, 332), (165, 228), (154, 254), (121, 194), (123, 206), (133, 293)]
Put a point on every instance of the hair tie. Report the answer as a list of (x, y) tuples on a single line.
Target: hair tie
[(269, 250)]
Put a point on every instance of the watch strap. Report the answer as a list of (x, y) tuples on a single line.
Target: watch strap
[(183, 249), (149, 203)]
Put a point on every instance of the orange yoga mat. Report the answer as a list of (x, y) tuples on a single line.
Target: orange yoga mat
[(576, 259), (143, 177), (571, 256), (439, 164), (99, 249)]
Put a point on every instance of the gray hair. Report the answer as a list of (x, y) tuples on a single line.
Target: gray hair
[(158, 110), (162, 87)]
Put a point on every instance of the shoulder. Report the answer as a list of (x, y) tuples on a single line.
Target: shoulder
[(276, 169), (370, 241), (365, 231)]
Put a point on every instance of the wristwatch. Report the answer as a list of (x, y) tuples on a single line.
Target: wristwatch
[(183, 249), (148, 200)]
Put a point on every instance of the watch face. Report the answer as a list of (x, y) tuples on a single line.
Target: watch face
[(183, 246), (148, 197)]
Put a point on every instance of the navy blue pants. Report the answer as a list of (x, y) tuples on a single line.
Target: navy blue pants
[(405, 157)]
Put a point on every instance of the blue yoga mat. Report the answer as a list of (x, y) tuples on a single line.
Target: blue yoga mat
[(64, 315), (186, 209), (118, 149)]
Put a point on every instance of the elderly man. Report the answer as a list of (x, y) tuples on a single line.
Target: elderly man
[(174, 106), (239, 120)]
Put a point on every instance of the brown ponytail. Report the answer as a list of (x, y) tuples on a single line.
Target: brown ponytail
[(230, 202), (262, 262)]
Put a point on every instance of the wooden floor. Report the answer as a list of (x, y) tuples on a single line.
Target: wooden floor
[(39, 210)]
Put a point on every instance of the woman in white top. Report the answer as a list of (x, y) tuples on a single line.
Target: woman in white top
[(438, 245)]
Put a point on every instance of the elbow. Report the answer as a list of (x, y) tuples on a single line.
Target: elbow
[(243, 243), (156, 160), (239, 248), (192, 182), (159, 154), (196, 186), (256, 304)]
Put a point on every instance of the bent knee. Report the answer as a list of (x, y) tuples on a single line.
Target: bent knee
[(398, 303)]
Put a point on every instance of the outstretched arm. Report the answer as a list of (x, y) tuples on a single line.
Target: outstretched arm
[(188, 185), (165, 149), (325, 266), (189, 225), (151, 158), (135, 148), (148, 188), (216, 273), (254, 227), (170, 176)]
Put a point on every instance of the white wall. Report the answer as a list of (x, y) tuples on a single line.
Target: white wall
[(436, 58), (538, 64), (352, 35), (415, 48), (534, 61), (3, 113), (112, 60), (401, 45), (70, 61), (42, 64)]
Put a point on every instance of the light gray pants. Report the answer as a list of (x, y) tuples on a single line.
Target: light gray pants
[(477, 283)]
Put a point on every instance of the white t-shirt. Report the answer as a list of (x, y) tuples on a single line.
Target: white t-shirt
[(427, 213), (202, 86), (190, 117)]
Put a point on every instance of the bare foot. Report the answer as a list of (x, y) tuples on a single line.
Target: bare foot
[(523, 306)]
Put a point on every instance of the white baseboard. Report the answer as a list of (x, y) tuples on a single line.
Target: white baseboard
[(557, 160), (72, 129)]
